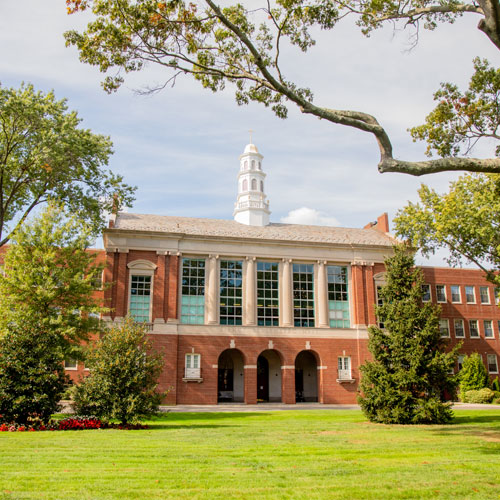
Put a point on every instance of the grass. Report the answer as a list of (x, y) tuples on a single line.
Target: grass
[(273, 455)]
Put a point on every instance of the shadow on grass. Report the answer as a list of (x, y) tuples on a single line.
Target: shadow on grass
[(476, 419), (203, 417)]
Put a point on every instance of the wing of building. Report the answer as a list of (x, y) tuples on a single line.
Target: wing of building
[(248, 310)]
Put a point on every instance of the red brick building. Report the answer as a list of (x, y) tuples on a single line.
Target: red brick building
[(248, 310)]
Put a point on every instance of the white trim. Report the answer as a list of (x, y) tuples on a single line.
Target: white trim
[(459, 301), (142, 264), (447, 327), (322, 367), (488, 296), (288, 367), (455, 328), (437, 296), (488, 363), (141, 272), (249, 366), (473, 293)]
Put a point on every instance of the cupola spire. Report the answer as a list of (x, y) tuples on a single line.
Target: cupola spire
[(251, 207)]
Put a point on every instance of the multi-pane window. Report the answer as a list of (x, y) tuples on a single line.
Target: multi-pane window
[(497, 295), (460, 361), (492, 363), (267, 294), (231, 292), (444, 328), (470, 296), (193, 291), (455, 293), (473, 328), (488, 328), (338, 297), (193, 366), (344, 368), (303, 295), (140, 298), (440, 293), (484, 295), (70, 364), (459, 328), (426, 293)]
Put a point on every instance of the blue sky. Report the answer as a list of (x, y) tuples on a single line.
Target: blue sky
[(181, 146)]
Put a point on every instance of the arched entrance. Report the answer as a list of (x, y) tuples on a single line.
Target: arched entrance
[(269, 376), (306, 377), (230, 380)]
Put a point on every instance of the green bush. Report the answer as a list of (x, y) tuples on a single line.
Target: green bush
[(495, 385), (496, 401), (123, 376), (32, 376), (481, 396), (473, 375)]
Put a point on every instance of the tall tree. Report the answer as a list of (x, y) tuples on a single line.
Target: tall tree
[(45, 155), (242, 45), (410, 372), (465, 221), (49, 276)]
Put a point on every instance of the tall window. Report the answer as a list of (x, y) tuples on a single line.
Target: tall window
[(473, 328), (488, 329), (262, 186), (460, 361), (267, 294), (338, 297), (193, 291), (254, 185), (193, 366), (344, 368), (140, 298), (245, 185), (303, 294), (492, 363), (426, 293), (380, 302), (440, 293), (455, 294), (231, 292), (470, 296), (459, 328), (484, 295)]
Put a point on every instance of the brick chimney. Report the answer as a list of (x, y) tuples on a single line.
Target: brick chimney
[(381, 224)]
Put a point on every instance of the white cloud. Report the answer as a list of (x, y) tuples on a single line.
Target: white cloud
[(311, 216)]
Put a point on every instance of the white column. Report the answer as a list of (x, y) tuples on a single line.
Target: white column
[(211, 300), (250, 317), (286, 294), (322, 296)]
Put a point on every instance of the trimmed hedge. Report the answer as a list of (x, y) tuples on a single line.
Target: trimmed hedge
[(481, 396)]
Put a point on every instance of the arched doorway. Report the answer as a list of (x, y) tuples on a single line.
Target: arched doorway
[(269, 376), (230, 380), (306, 377)]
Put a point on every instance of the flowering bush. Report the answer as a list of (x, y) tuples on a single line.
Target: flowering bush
[(68, 424)]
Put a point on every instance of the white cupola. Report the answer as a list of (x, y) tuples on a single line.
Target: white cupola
[(251, 207)]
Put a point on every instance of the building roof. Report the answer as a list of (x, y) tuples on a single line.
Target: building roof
[(230, 229)]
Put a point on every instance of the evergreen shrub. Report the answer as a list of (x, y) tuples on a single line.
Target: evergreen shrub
[(123, 376), (473, 375), (481, 396)]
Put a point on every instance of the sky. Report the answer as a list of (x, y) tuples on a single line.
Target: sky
[(180, 147)]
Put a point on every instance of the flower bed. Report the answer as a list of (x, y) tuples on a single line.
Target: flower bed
[(68, 424)]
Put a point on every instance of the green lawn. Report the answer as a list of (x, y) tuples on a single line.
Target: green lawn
[(284, 454)]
